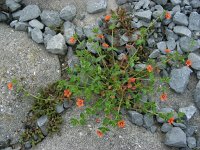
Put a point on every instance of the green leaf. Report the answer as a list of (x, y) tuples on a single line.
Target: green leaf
[(100, 58), (112, 27)]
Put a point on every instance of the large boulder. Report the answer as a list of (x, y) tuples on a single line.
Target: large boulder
[(24, 60)]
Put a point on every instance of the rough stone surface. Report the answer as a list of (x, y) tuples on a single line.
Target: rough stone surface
[(191, 141), (183, 31), (136, 118), (171, 44), (166, 127), (148, 121), (69, 30), (188, 44), (21, 58), (30, 12), (179, 79), (144, 15), (197, 95), (155, 54), (189, 111), (180, 19), (175, 2), (160, 2), (165, 111), (195, 61), (42, 121), (12, 5), (21, 26), (50, 18), (173, 138), (36, 24), (56, 45), (36, 35), (96, 6), (194, 21), (68, 13)]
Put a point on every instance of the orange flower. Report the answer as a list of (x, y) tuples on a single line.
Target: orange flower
[(107, 17), (167, 50), (72, 40), (97, 120), (121, 124), (80, 102), (129, 86), (171, 120), (131, 80), (168, 15), (100, 36), (10, 85), (67, 93), (149, 68), (105, 45), (188, 62), (163, 97), (99, 133)]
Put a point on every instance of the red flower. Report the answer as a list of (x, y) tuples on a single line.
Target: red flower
[(168, 15), (105, 45), (171, 120), (80, 102), (99, 133), (129, 85), (149, 68), (131, 80), (121, 124), (10, 85), (167, 50), (67, 93), (100, 36), (163, 97), (188, 62), (107, 18)]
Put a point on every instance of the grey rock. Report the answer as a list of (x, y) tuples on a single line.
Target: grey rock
[(180, 79), (175, 2), (171, 44), (72, 62), (197, 95), (36, 35), (51, 18), (180, 19), (96, 6), (198, 74), (42, 121), (56, 45), (173, 138), (47, 37), (191, 142), (90, 47), (191, 130), (188, 44), (195, 61), (182, 30), (194, 21), (13, 23), (29, 31), (153, 129), (160, 2), (189, 111), (67, 104), (139, 4), (140, 67), (79, 32), (148, 121), (179, 48), (44, 130), (144, 15), (165, 111), (69, 30), (12, 5), (162, 46), (30, 12), (195, 3), (198, 142), (36, 24), (21, 26), (59, 108), (3, 17), (176, 9), (27, 145), (151, 42), (88, 30), (135, 118), (171, 25), (155, 53), (166, 127), (121, 2), (181, 125), (49, 31), (171, 35), (17, 14), (186, 2), (68, 13)]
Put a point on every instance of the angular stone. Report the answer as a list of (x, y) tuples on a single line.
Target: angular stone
[(195, 61), (180, 19), (36, 24), (12, 5), (175, 2), (21, 26), (36, 35), (68, 13), (56, 45), (42, 121), (180, 79), (121, 2), (191, 142), (69, 30), (195, 3), (166, 127), (135, 118), (96, 6), (90, 47), (3, 17), (160, 2), (173, 138), (191, 130), (162, 46), (49, 31), (59, 108), (181, 125), (67, 104), (51, 18), (30, 12), (171, 35), (194, 21), (155, 53), (183, 31), (188, 44), (17, 14), (197, 95), (189, 111), (153, 129), (72, 61), (171, 44), (148, 121), (144, 15), (47, 37), (13, 23)]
